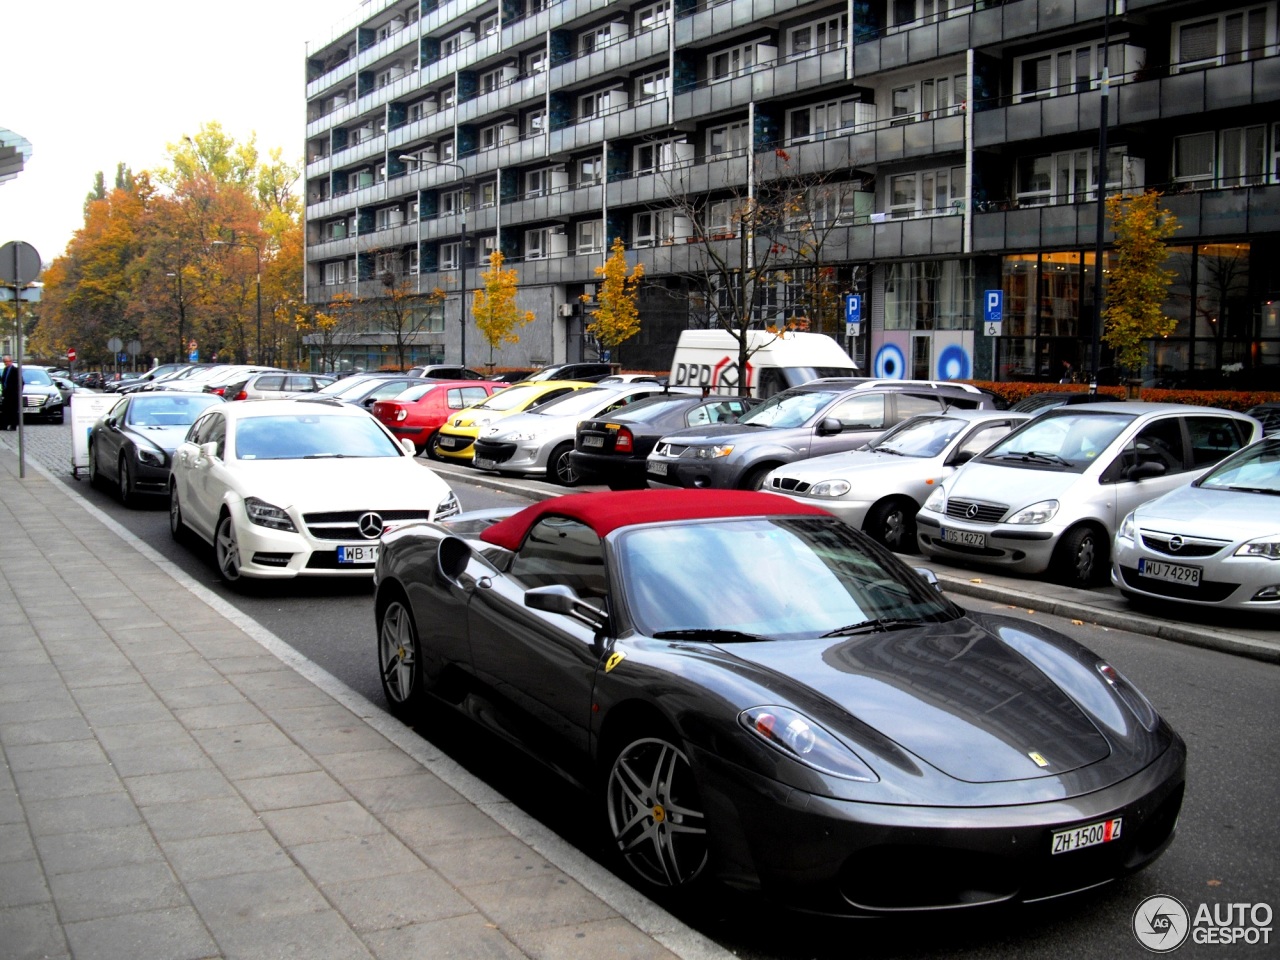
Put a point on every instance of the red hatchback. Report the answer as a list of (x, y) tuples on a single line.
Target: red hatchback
[(422, 409)]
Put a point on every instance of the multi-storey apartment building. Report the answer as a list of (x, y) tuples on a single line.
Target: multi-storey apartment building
[(947, 149)]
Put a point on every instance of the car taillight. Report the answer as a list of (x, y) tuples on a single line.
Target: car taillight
[(401, 414), (241, 396), (623, 442)]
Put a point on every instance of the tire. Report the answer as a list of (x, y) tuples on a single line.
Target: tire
[(1081, 558), (124, 480), (754, 480), (892, 523), (177, 526), (400, 661), (560, 468), (431, 449), (226, 550), (95, 475), (654, 813)]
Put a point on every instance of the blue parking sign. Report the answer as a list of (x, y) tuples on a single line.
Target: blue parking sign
[(852, 308), (993, 316)]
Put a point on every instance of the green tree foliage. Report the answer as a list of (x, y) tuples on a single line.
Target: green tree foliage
[(1138, 282)]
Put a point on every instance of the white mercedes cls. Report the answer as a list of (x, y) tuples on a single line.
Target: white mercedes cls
[(298, 487)]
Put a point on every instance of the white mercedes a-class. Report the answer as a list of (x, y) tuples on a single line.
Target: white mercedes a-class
[(298, 487)]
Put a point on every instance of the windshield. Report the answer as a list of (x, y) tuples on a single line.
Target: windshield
[(1255, 469), (168, 409), (1067, 441), (354, 387), (415, 393), (789, 409), (778, 578), (512, 398), (920, 436), (653, 408), (36, 375), (584, 401), (311, 436)]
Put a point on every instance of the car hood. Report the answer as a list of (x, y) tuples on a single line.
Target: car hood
[(166, 438), (722, 432), (378, 483), (860, 466), (1015, 486), (950, 693), (1216, 514)]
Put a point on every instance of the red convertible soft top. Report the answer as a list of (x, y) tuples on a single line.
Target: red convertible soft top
[(605, 512)]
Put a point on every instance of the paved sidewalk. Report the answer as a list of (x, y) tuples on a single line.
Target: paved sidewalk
[(178, 783)]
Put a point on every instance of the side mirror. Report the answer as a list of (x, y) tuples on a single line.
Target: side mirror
[(1145, 470), (558, 598), (408, 446), (452, 557), (829, 427), (929, 577), (209, 450), (961, 457)]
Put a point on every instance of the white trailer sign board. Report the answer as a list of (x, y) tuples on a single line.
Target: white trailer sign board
[(86, 408)]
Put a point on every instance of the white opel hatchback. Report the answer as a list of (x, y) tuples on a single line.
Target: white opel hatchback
[(305, 487)]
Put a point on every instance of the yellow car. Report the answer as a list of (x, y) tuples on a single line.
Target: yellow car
[(455, 441)]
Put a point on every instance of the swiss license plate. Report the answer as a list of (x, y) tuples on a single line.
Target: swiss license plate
[(593, 441), (657, 468), (1172, 572), (484, 463), (357, 555), (1104, 831), (964, 537)]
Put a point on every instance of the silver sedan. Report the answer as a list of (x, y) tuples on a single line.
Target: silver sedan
[(1214, 542), (879, 489)]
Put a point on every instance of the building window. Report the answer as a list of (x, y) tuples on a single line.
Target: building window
[(730, 140), (828, 205), (653, 16), (929, 295), (488, 246), (593, 104), (721, 220), (926, 11), (927, 192), (446, 149), (661, 155), (489, 193), (658, 227), (454, 202), (824, 119), (450, 256), (738, 60), (386, 263), (597, 38), (496, 135), (389, 217), (819, 37), (448, 95), (1230, 158), (590, 237), (535, 122), (589, 170), (537, 183), (537, 244), (489, 26), (335, 273), (1071, 176), (927, 99), (1225, 38), (654, 84)]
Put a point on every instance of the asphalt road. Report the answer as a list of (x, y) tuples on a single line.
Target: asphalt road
[(1227, 850)]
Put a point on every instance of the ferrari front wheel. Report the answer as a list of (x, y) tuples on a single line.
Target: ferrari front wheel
[(656, 820), (399, 661)]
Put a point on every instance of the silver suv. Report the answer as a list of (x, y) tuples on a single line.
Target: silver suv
[(1050, 495), (824, 416)]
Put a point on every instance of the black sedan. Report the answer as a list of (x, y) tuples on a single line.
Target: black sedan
[(132, 443), (614, 450), (750, 689)]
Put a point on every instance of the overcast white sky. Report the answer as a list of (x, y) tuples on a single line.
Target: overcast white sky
[(92, 84)]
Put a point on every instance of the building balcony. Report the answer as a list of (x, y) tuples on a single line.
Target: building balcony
[(615, 60), (725, 20), (504, 100), (625, 122), (332, 249)]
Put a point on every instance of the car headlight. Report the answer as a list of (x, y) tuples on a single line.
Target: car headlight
[(830, 488), (936, 501), (713, 452), (267, 515), (1128, 529), (151, 456), (1041, 512), (1266, 547), (448, 507), (1132, 697), (793, 734), (521, 436)]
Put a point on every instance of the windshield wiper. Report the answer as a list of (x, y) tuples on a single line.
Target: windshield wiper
[(890, 450), (876, 625), (1267, 490), (324, 456), (709, 633), (1030, 456)]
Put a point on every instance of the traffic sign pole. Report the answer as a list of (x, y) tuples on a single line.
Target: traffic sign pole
[(19, 265)]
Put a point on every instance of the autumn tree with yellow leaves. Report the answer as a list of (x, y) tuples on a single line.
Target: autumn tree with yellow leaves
[(1138, 281), (493, 306), (617, 299)]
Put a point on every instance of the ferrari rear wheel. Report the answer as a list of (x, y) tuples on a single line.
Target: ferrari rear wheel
[(656, 819), (399, 662)]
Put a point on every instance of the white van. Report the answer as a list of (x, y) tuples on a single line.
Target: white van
[(709, 358)]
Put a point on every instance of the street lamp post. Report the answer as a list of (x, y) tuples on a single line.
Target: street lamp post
[(257, 356), (462, 253), (1103, 117), (182, 316)]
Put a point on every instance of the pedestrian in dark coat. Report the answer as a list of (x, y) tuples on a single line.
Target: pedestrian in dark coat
[(10, 395)]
